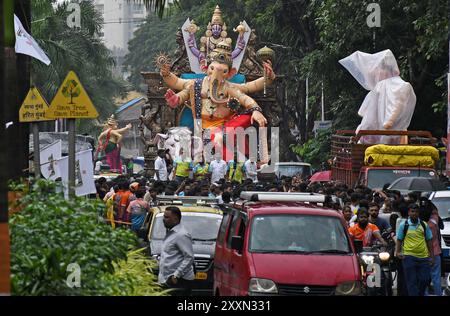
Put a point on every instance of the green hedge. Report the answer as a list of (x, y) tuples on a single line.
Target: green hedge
[(50, 233)]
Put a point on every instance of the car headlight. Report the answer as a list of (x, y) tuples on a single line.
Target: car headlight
[(384, 256), (367, 259), (349, 288), (264, 286)]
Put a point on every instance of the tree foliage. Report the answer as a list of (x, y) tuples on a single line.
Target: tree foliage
[(315, 151), (77, 49)]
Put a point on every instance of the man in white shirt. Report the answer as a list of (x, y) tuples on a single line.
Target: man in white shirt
[(160, 166), (98, 167), (218, 169), (251, 169)]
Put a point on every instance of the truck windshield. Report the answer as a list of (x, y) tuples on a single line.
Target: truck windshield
[(201, 226), (298, 234), (377, 178), (294, 170)]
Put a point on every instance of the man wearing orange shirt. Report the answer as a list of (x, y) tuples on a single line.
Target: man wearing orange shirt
[(364, 230)]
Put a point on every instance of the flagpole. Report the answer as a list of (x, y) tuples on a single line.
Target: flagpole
[(71, 123), (37, 152)]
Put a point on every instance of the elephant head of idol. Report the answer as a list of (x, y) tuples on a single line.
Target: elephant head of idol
[(219, 70)]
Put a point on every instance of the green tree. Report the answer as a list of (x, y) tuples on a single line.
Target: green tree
[(315, 151), (77, 49)]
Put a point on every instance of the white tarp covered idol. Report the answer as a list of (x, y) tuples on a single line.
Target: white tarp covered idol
[(25, 43), (391, 101)]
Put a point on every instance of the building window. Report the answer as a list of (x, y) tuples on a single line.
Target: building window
[(120, 6)]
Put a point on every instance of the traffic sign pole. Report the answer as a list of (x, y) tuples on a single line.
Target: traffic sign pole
[(37, 158), (71, 123)]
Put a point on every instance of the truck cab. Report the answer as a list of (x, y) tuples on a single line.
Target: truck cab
[(377, 177)]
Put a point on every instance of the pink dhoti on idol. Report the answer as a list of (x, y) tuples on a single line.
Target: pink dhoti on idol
[(110, 148), (112, 155)]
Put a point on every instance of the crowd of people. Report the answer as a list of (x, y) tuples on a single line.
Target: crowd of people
[(368, 213)]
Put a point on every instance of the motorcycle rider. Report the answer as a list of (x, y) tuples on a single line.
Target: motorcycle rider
[(382, 224), (365, 231)]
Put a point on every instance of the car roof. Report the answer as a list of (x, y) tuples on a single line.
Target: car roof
[(192, 209), (293, 163), (255, 208), (439, 194)]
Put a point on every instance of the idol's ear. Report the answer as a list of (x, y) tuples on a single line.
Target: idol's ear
[(231, 73)]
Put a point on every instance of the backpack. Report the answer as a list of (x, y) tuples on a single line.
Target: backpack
[(405, 229)]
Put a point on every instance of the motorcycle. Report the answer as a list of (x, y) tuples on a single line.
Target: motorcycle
[(377, 266)]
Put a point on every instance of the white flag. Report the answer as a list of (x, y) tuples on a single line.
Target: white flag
[(84, 173), (25, 43), (49, 156)]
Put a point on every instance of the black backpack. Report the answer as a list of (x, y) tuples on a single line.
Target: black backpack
[(405, 229)]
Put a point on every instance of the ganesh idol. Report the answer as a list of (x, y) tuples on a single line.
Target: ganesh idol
[(216, 33), (216, 103)]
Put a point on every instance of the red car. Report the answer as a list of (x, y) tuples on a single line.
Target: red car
[(275, 244)]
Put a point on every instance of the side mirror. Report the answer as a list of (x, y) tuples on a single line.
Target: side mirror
[(358, 244), (237, 243)]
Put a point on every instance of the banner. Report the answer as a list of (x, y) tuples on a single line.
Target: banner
[(84, 173), (48, 158), (25, 43)]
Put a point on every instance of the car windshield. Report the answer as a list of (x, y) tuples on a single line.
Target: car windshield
[(298, 233), (294, 170), (377, 178), (201, 226), (443, 206)]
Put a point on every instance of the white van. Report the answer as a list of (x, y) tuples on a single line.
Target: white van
[(442, 201), (290, 169)]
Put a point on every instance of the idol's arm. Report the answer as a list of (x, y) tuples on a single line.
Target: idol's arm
[(246, 101), (171, 80), (258, 84)]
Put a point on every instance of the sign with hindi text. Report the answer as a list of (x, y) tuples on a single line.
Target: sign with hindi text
[(34, 107)]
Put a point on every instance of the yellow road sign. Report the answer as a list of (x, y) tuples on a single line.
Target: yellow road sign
[(34, 107), (71, 101)]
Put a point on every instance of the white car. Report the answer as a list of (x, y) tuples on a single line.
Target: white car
[(290, 169), (442, 201)]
